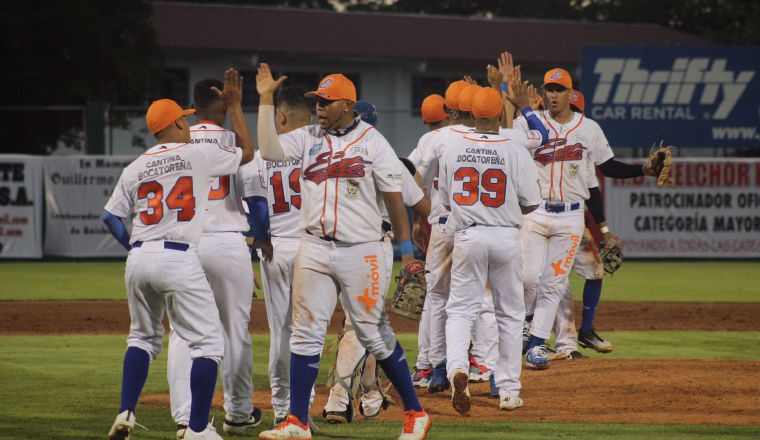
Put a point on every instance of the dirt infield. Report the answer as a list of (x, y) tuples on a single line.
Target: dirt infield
[(600, 391), (54, 317)]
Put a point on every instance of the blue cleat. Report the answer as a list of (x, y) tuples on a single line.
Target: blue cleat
[(438, 380), (537, 357)]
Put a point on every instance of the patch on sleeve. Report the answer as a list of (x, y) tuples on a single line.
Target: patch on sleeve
[(227, 149), (534, 135)]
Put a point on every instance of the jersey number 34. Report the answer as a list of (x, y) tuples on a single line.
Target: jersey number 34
[(180, 198), (488, 187)]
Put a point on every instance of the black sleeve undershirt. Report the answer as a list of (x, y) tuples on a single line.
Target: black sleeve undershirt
[(595, 205), (620, 170)]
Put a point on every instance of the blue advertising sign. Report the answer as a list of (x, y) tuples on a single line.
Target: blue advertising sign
[(689, 96)]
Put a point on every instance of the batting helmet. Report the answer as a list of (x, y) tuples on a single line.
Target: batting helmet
[(366, 111)]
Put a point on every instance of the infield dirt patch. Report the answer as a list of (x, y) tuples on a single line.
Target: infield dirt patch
[(598, 391), (55, 317)]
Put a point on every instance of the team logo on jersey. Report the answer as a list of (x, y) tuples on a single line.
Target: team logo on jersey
[(574, 170), (338, 166), (226, 148), (358, 149), (557, 150), (315, 149), (352, 188)]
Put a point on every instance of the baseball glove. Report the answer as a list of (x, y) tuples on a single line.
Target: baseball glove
[(659, 163), (611, 254), (410, 290)]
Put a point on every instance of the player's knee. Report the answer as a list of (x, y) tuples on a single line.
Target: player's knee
[(152, 346)]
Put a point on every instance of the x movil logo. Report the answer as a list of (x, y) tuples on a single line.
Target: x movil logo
[(626, 90)]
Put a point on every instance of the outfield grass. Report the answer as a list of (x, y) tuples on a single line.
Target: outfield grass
[(67, 387), (636, 281)]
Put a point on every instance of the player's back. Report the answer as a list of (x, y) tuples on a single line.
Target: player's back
[(166, 190), (283, 183), (487, 177), (225, 207)]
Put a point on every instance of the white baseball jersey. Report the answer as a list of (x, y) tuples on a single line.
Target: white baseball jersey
[(431, 147), (410, 192), (282, 183), (166, 190), (342, 177), (485, 178), (564, 176), (225, 206)]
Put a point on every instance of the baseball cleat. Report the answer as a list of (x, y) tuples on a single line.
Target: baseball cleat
[(208, 434), (563, 355), (290, 428), (438, 380), (492, 384), (237, 428), (123, 426), (537, 358), (510, 403), (181, 428), (460, 394), (416, 425), (590, 339), (421, 378), (337, 417), (478, 373)]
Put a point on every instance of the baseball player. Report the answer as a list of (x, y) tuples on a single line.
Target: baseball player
[(352, 358), (438, 263), (552, 234), (347, 167), (283, 183), (436, 116), (226, 260), (488, 182), (165, 192)]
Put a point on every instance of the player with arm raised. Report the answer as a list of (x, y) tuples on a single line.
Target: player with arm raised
[(226, 261), (348, 168), (488, 182), (165, 192)]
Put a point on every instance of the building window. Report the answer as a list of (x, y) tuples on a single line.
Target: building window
[(175, 85)]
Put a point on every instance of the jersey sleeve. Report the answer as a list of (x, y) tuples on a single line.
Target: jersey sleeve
[(415, 156), (386, 168), (601, 151), (531, 139), (528, 191), (443, 181), (221, 159), (410, 191), (252, 179), (120, 204), (294, 143), (519, 123)]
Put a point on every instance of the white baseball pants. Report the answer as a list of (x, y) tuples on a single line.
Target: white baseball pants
[(485, 334), (487, 254), (549, 244), (227, 263), (438, 265)]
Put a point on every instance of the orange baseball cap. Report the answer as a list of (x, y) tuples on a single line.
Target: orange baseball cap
[(558, 76), (465, 97), (163, 113), (452, 94), (487, 103), (432, 109), (577, 100), (334, 87)]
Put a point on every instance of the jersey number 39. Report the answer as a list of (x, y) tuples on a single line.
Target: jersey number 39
[(489, 187), (180, 198)]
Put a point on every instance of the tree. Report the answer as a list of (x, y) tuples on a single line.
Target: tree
[(69, 53)]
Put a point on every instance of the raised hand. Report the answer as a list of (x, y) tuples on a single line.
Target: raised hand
[(470, 80), (495, 77), (232, 95), (521, 97), (265, 83), (505, 65)]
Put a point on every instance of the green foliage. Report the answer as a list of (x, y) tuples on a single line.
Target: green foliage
[(68, 53)]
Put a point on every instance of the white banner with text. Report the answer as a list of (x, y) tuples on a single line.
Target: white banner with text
[(20, 206)]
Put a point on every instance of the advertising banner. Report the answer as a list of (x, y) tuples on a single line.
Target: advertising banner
[(689, 96), (76, 190), (712, 211), (20, 206)]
